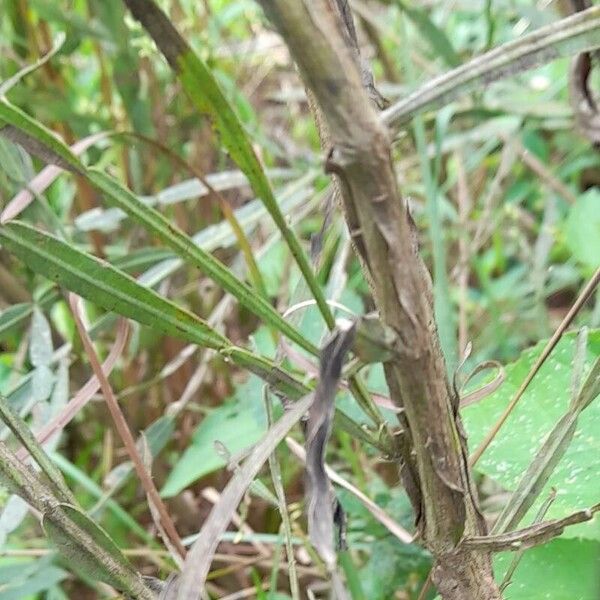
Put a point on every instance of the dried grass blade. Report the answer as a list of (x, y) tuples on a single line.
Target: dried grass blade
[(202, 552)]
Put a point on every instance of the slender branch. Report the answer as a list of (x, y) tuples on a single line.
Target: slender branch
[(569, 36), (124, 432), (534, 535)]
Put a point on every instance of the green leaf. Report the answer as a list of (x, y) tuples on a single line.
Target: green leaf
[(185, 247), (40, 344), (104, 285), (435, 36), (583, 228), (563, 569), (545, 402), (90, 550), (27, 579), (203, 90), (25, 436), (35, 138), (236, 424), (13, 317)]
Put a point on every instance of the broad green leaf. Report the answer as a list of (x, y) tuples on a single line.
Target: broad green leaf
[(555, 445), (91, 551), (578, 33), (563, 569), (104, 285), (236, 425), (545, 402), (583, 228), (185, 247), (203, 90)]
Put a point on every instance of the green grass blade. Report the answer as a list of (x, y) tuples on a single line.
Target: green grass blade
[(104, 285), (37, 139), (185, 247), (436, 37), (204, 91), (7, 84)]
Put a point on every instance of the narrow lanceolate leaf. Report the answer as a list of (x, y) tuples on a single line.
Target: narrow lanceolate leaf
[(104, 285), (279, 379), (575, 34), (91, 551), (38, 140), (205, 93), (185, 247)]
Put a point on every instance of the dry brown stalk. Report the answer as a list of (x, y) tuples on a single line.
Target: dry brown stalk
[(434, 467)]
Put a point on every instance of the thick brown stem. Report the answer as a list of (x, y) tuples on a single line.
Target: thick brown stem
[(435, 473)]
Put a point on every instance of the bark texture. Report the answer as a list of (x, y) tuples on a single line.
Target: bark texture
[(433, 450)]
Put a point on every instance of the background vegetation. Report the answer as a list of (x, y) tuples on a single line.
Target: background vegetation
[(503, 188)]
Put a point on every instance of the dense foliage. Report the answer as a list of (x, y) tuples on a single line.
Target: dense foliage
[(193, 202)]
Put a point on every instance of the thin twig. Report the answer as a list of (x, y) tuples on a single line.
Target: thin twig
[(123, 430), (533, 535), (538, 167), (283, 509)]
